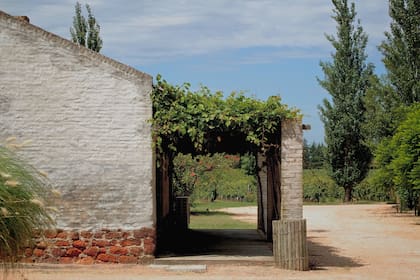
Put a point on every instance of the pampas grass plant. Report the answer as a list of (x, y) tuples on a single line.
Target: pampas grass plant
[(23, 206)]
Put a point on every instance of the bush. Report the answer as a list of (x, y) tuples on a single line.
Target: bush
[(319, 187), (23, 210), (373, 188), (398, 158)]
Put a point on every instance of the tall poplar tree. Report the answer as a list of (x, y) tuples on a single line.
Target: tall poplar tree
[(401, 49), (397, 154), (85, 32), (346, 80)]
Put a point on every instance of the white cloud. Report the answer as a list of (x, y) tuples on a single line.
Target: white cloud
[(139, 32)]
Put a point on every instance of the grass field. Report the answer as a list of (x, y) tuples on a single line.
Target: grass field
[(206, 215)]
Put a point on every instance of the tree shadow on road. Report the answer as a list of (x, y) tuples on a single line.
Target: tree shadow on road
[(322, 256)]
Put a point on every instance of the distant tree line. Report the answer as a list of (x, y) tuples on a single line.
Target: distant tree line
[(314, 155)]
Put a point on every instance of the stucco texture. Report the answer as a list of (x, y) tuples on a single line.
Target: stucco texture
[(87, 119)]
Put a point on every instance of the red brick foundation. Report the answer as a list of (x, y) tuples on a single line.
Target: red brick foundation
[(88, 247)]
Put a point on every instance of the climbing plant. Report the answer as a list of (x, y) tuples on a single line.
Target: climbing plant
[(197, 117)]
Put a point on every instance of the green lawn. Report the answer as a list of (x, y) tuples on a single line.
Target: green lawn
[(203, 205), (206, 215)]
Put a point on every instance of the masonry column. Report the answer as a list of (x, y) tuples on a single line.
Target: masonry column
[(289, 233), (291, 170)]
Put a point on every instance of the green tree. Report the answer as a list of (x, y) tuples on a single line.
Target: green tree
[(387, 97), (185, 175), (382, 114), (85, 32), (248, 164), (313, 155), (306, 154), (216, 176), (387, 104), (401, 49), (79, 30), (399, 158), (346, 80)]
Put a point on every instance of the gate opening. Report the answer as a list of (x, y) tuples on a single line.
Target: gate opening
[(177, 235)]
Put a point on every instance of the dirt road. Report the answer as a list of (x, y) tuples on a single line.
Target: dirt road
[(345, 242), (358, 241), (366, 241)]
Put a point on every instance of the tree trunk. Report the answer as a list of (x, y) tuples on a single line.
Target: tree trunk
[(348, 194)]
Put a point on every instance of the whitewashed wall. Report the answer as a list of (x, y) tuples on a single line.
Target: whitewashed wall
[(86, 116)]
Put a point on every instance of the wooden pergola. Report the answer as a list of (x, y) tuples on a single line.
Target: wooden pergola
[(280, 193)]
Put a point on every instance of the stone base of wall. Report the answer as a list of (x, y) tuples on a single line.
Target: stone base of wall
[(89, 247)]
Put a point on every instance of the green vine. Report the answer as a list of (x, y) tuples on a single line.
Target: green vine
[(182, 115)]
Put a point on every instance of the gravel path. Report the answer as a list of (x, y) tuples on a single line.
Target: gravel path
[(346, 242)]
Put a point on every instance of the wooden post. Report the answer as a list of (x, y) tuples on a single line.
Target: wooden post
[(289, 244), (261, 192), (182, 212)]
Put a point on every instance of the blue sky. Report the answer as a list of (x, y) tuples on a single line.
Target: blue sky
[(262, 47)]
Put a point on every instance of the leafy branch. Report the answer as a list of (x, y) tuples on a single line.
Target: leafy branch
[(185, 116)]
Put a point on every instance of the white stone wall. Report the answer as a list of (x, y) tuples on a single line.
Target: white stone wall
[(86, 117)]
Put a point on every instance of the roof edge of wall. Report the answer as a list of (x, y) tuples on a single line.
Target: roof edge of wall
[(79, 50)]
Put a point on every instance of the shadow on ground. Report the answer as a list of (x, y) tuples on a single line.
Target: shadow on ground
[(233, 242), (322, 256), (243, 243)]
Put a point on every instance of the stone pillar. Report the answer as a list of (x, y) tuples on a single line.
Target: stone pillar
[(289, 234), (291, 170)]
